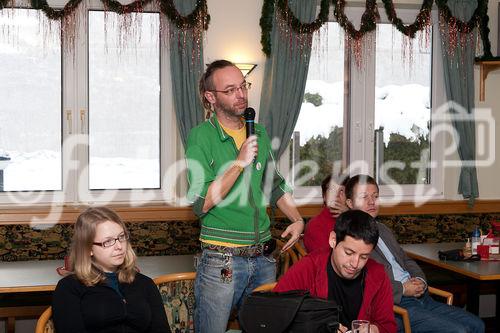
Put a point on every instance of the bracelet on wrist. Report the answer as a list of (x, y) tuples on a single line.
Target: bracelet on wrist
[(237, 166)]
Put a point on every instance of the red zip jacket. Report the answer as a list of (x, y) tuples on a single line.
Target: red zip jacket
[(318, 231), (310, 274)]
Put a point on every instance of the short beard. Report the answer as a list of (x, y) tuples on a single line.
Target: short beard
[(228, 111)]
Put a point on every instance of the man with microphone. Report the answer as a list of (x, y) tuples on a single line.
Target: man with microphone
[(232, 177)]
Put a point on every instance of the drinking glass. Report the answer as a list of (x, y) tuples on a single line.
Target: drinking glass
[(360, 326)]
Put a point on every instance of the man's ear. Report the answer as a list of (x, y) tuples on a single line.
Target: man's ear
[(332, 240), (210, 96), (349, 204)]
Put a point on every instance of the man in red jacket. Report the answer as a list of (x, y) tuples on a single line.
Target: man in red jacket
[(334, 202), (344, 273)]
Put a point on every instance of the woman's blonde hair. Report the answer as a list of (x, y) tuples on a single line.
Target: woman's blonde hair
[(82, 263)]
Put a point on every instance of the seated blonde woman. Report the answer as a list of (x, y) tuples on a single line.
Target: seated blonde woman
[(105, 293)]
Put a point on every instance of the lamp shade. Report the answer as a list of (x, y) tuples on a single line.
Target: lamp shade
[(246, 68)]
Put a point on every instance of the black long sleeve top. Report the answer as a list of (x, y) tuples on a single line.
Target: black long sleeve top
[(98, 309)]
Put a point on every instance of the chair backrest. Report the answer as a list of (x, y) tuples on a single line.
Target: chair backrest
[(285, 260), (177, 293), (404, 313), (266, 287), (44, 323), (299, 248)]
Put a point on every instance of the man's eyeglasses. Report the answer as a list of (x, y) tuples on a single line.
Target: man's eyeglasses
[(245, 86), (112, 241)]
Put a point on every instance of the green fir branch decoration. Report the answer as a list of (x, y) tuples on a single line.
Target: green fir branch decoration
[(190, 21), (368, 19), (167, 7), (55, 14), (294, 22), (421, 20), (4, 4), (117, 7), (266, 26), (479, 19)]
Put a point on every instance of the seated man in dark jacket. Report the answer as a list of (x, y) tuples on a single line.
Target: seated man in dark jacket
[(344, 273), (408, 280)]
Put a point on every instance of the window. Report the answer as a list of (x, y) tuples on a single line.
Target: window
[(374, 119), (318, 134), (30, 108), (124, 90), (402, 107), (95, 125)]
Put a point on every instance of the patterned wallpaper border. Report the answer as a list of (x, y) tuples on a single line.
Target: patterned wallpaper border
[(25, 242)]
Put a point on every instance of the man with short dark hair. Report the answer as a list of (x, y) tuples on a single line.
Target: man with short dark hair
[(344, 273), (231, 179), (319, 227), (408, 280)]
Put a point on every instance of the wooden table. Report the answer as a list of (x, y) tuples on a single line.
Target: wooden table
[(477, 272), (40, 276)]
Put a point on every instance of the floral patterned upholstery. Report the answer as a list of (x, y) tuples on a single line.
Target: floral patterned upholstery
[(45, 323), (49, 327), (177, 293)]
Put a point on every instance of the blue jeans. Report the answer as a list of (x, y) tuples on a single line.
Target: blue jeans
[(216, 298), (428, 315)]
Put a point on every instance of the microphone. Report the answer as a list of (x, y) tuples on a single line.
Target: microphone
[(249, 116)]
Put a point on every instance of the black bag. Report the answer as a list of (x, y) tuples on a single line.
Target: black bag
[(292, 312), (456, 255), (452, 255)]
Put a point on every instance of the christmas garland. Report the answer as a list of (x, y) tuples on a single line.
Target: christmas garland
[(423, 18), (55, 14), (4, 4), (199, 14), (369, 19), (479, 19), (266, 26), (190, 21), (304, 28)]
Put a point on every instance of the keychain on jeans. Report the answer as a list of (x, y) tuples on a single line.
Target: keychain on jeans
[(226, 273)]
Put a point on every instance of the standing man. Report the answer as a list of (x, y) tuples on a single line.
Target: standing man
[(231, 178), (344, 273), (319, 227), (408, 280)]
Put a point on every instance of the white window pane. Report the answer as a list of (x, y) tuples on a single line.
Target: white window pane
[(318, 132), (124, 101), (30, 102), (402, 107)]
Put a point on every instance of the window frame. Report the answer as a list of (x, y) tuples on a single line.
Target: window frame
[(74, 119), (359, 119)]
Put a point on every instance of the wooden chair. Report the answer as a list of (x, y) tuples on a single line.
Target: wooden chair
[(404, 313), (299, 248), (177, 293), (285, 260), (265, 287), (44, 323)]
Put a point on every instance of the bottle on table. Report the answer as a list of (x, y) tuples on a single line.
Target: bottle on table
[(475, 239), (468, 249)]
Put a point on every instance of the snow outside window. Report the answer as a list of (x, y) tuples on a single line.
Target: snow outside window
[(318, 136), (91, 126), (374, 119), (402, 107), (30, 103), (124, 90)]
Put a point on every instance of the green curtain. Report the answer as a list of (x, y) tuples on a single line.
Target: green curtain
[(186, 67), (285, 77), (459, 82)]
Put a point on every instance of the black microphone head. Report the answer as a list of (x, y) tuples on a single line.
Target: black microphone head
[(249, 114)]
